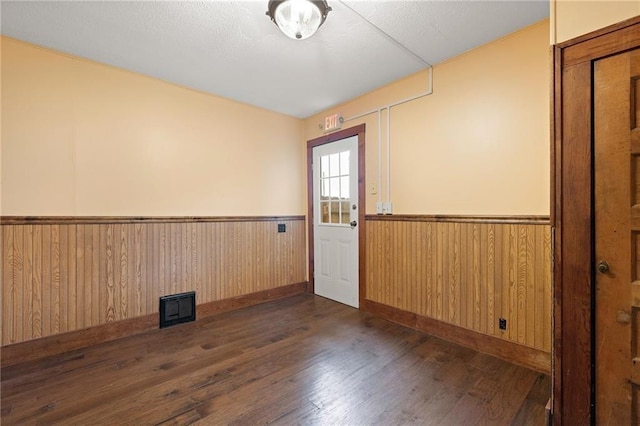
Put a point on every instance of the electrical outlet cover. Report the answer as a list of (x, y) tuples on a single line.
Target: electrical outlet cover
[(502, 323)]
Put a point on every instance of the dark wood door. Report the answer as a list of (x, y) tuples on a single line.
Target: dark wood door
[(616, 98), (580, 294)]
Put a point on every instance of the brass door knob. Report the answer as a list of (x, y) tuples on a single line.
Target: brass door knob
[(603, 267)]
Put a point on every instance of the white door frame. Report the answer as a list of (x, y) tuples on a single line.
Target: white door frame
[(358, 131)]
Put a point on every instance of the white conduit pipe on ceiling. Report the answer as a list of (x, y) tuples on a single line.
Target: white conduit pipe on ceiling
[(386, 208)]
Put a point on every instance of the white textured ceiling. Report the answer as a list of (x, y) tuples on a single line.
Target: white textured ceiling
[(232, 49)]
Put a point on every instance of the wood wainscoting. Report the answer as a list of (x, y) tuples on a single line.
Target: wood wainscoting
[(67, 274), (434, 272)]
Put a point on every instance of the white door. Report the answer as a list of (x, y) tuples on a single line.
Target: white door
[(335, 216)]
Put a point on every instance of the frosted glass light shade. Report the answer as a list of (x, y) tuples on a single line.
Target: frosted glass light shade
[(298, 19)]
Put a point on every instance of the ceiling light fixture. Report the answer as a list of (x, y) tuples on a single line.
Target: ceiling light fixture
[(298, 19)]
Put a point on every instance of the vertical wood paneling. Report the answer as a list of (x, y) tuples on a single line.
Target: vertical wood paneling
[(546, 306), (539, 260), (491, 279), (71, 279), (173, 234), (211, 256), (196, 254), (65, 277), (454, 293), (7, 283), (95, 275), (28, 284), (512, 284), (152, 265), (531, 292), (79, 270), (163, 259), (140, 272), (241, 261), (63, 281), (17, 292), (110, 306), (430, 266), (441, 266), (417, 272), (477, 284), (522, 283), (227, 269), (55, 279), (483, 306), (466, 274), (36, 237), (4, 268), (46, 281)]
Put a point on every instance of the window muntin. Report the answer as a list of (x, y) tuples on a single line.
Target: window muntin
[(335, 199)]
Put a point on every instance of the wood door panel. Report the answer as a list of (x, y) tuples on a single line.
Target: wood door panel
[(617, 194), (635, 99), (635, 251), (635, 179)]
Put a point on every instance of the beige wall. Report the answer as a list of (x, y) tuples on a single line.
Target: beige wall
[(478, 145), (573, 18), (81, 138)]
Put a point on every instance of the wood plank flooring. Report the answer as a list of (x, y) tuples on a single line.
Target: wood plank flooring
[(300, 360)]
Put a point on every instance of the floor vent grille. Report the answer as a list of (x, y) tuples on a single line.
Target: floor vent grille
[(177, 309)]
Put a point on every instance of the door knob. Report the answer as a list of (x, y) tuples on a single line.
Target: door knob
[(353, 224), (603, 267)]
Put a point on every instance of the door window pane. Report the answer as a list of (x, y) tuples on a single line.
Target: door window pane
[(344, 163), (335, 212), (324, 166), (324, 212), (324, 189), (344, 188), (344, 213), (334, 189), (334, 165)]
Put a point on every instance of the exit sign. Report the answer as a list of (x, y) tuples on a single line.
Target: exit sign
[(332, 122)]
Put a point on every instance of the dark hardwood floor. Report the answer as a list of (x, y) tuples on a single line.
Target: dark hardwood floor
[(300, 360)]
